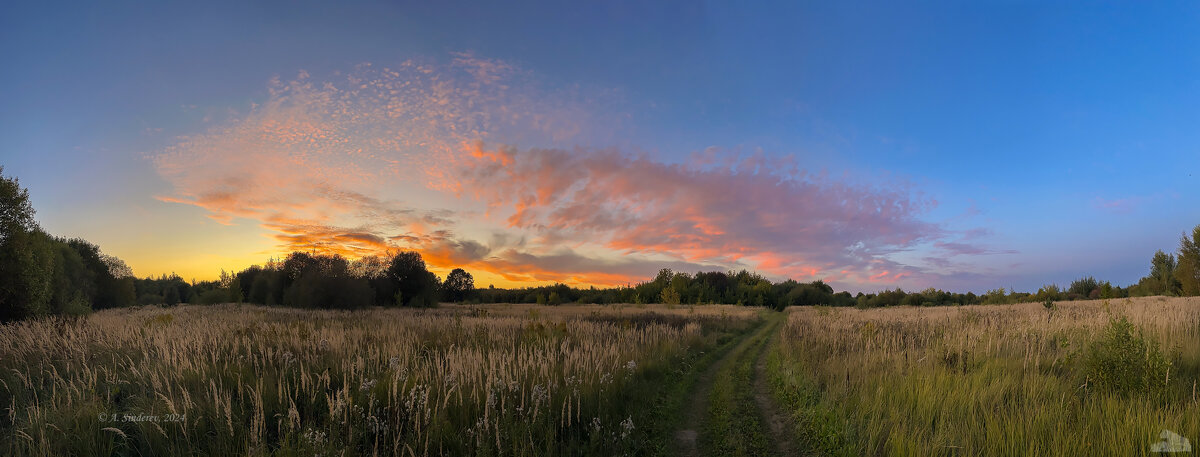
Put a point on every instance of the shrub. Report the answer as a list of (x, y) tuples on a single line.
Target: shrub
[(1124, 361), (670, 296), (214, 296)]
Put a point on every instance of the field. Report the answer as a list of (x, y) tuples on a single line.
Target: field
[(246, 380), (1077, 378), (1100, 377)]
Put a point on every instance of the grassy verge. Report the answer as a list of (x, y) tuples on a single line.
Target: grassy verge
[(820, 429)]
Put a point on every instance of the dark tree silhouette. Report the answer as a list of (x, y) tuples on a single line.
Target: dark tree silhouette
[(415, 285), (459, 285)]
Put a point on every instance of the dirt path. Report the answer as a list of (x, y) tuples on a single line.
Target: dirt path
[(753, 344), (781, 428), (687, 439)]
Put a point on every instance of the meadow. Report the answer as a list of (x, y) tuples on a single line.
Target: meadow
[(1100, 377), (252, 380)]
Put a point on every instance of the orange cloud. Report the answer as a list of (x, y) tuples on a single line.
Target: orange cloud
[(395, 158), (346, 166), (757, 208)]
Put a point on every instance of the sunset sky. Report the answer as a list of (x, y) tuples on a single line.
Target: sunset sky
[(960, 145)]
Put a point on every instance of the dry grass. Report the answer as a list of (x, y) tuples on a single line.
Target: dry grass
[(995, 380), (479, 380)]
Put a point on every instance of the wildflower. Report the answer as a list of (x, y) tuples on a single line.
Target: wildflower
[(315, 437), (368, 384), (539, 394), (626, 426)]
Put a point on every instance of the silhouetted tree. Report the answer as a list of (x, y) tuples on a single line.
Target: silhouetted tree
[(415, 285), (459, 285)]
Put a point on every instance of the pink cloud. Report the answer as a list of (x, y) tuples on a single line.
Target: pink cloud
[(786, 223), (394, 158)]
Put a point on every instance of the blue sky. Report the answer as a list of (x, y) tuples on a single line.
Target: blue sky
[(1046, 140)]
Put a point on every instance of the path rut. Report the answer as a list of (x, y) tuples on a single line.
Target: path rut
[(754, 343)]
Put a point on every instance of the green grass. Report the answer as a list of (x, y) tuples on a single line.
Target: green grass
[(674, 391), (988, 380), (734, 425)]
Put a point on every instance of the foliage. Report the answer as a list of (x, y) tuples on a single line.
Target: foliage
[(41, 274), (1187, 272), (1125, 361), (669, 296), (1083, 286)]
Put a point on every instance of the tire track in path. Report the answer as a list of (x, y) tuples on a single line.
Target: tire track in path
[(781, 429), (749, 354)]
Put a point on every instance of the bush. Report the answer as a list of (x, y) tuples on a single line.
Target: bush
[(1124, 361), (150, 299), (315, 290), (213, 297), (670, 296)]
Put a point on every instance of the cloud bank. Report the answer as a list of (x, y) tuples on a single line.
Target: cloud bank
[(468, 162)]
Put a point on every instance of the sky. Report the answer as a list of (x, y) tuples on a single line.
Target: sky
[(961, 145)]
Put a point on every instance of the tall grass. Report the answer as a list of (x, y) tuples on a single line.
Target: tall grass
[(991, 380), (246, 380)]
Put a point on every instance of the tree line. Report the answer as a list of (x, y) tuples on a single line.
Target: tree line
[(42, 274), (328, 281), (1174, 274)]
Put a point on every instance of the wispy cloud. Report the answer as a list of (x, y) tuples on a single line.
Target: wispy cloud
[(387, 158), (757, 209)]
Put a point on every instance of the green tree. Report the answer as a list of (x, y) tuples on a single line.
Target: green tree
[(1162, 267), (114, 280), (1083, 286), (25, 253), (1106, 290), (670, 296), (1187, 272), (16, 213)]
